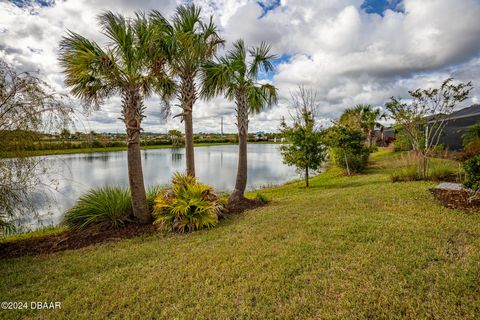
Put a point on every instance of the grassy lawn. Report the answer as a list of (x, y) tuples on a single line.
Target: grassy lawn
[(347, 248)]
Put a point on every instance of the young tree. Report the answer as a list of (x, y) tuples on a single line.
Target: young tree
[(188, 42), (425, 116), (347, 147), (304, 147), (123, 68), (235, 75), (28, 105)]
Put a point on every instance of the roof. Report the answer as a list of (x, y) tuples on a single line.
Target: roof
[(473, 110)]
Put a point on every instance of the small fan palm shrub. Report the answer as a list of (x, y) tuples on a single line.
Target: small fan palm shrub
[(110, 206), (187, 206)]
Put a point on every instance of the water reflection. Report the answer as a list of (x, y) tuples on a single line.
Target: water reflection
[(215, 165)]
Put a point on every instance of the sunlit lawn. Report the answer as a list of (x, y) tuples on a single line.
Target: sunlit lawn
[(349, 247)]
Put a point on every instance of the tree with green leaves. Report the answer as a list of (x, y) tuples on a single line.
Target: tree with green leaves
[(188, 42), (424, 117), (176, 137), (126, 68), (471, 138), (347, 147), (235, 75), (303, 146), (363, 117), (28, 106)]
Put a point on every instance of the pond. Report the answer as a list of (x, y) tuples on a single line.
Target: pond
[(215, 165)]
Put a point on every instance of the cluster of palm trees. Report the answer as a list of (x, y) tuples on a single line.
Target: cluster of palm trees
[(175, 59)]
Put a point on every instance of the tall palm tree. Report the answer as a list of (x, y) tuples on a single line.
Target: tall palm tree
[(235, 75), (188, 42), (123, 68)]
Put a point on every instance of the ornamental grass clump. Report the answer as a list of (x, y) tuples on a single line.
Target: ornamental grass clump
[(107, 206), (187, 206)]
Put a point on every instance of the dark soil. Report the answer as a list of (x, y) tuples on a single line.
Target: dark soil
[(72, 239), (457, 199), (76, 239), (243, 205)]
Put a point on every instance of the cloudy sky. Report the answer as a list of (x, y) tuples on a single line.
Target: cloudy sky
[(350, 51)]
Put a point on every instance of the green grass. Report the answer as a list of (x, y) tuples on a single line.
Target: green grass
[(46, 231), (356, 247)]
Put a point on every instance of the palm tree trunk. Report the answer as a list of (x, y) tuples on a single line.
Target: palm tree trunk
[(188, 96), (242, 125), (132, 114)]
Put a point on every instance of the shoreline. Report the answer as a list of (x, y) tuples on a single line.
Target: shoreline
[(38, 153)]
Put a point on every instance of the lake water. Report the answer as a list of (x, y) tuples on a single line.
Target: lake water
[(214, 165)]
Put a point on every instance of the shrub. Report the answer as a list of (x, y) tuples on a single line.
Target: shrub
[(261, 197), (188, 206), (347, 148), (357, 160), (111, 206), (472, 172), (471, 139)]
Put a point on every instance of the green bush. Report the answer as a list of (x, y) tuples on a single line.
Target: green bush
[(111, 206), (357, 160), (188, 206), (472, 172), (347, 147)]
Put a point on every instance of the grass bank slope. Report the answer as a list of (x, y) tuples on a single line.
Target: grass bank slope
[(349, 247)]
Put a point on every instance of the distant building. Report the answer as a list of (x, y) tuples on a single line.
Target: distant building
[(457, 123)]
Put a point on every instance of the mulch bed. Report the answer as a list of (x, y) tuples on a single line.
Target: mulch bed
[(457, 199), (243, 205), (72, 239)]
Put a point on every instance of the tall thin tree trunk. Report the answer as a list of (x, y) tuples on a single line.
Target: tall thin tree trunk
[(306, 177), (188, 96), (132, 114), (242, 125), (189, 150)]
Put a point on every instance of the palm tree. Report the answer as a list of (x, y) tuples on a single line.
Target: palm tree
[(123, 68), (364, 118), (188, 42), (235, 75)]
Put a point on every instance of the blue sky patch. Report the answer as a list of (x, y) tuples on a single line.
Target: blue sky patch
[(269, 75), (268, 5), (27, 3), (379, 6)]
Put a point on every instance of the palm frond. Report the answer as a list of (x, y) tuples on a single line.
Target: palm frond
[(262, 60), (91, 72)]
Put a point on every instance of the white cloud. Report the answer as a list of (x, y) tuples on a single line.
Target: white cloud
[(349, 56)]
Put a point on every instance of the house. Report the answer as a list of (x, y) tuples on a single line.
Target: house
[(457, 123)]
